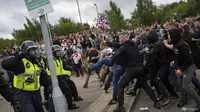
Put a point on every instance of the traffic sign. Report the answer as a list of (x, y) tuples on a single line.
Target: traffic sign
[(38, 8)]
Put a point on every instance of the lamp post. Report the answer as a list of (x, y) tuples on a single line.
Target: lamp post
[(97, 11), (79, 12)]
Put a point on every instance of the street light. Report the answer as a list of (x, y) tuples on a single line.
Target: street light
[(97, 11), (79, 11)]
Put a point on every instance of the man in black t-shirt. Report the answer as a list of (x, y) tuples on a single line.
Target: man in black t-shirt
[(93, 57)]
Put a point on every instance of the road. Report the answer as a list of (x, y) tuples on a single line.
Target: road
[(143, 101), (94, 90)]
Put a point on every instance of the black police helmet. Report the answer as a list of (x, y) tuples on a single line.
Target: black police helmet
[(26, 45), (56, 48)]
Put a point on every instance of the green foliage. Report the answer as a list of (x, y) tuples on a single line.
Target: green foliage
[(66, 26), (31, 31), (5, 43), (86, 26), (114, 16), (147, 13)]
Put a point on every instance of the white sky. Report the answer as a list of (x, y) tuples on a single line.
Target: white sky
[(13, 12)]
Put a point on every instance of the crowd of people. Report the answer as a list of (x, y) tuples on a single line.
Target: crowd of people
[(161, 57)]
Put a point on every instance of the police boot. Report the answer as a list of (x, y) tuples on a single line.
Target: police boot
[(73, 106), (78, 98), (157, 105)]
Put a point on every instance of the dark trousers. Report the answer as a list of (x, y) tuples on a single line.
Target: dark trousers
[(72, 86), (31, 101), (142, 83), (108, 80), (129, 75), (159, 79), (66, 90), (104, 76), (78, 71)]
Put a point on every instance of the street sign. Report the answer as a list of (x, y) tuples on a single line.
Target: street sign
[(38, 8)]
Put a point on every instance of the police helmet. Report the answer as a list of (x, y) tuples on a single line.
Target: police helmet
[(56, 48), (26, 45)]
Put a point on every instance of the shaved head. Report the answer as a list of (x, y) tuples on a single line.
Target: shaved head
[(123, 37)]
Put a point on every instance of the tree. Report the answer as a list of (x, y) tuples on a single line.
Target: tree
[(31, 31), (66, 26), (115, 17), (5, 43), (86, 26), (194, 8), (145, 12)]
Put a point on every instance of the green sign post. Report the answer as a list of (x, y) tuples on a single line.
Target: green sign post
[(37, 8)]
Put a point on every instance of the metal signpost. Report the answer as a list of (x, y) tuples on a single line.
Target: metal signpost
[(38, 8)]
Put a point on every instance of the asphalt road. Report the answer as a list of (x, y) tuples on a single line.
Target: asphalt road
[(143, 101)]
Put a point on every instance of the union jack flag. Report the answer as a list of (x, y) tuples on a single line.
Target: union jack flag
[(103, 23)]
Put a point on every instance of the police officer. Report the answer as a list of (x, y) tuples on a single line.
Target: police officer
[(8, 94), (61, 74), (27, 76)]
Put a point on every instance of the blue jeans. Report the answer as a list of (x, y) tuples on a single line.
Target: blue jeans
[(117, 73), (104, 61)]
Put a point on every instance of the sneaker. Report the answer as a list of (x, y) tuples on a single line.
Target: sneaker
[(165, 101), (106, 91), (73, 106), (119, 109), (85, 86), (78, 99), (131, 92), (181, 103), (157, 105), (112, 102), (160, 97)]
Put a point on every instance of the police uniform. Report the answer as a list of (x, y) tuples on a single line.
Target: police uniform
[(27, 77), (66, 76), (61, 73)]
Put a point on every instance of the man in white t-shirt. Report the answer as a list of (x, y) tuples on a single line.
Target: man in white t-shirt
[(64, 45)]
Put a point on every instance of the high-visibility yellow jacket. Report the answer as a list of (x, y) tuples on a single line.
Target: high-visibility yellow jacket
[(30, 79), (58, 64)]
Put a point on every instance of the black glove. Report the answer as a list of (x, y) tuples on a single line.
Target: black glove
[(17, 107), (22, 55)]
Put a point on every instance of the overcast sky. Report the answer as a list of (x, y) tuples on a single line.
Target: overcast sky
[(13, 12)]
